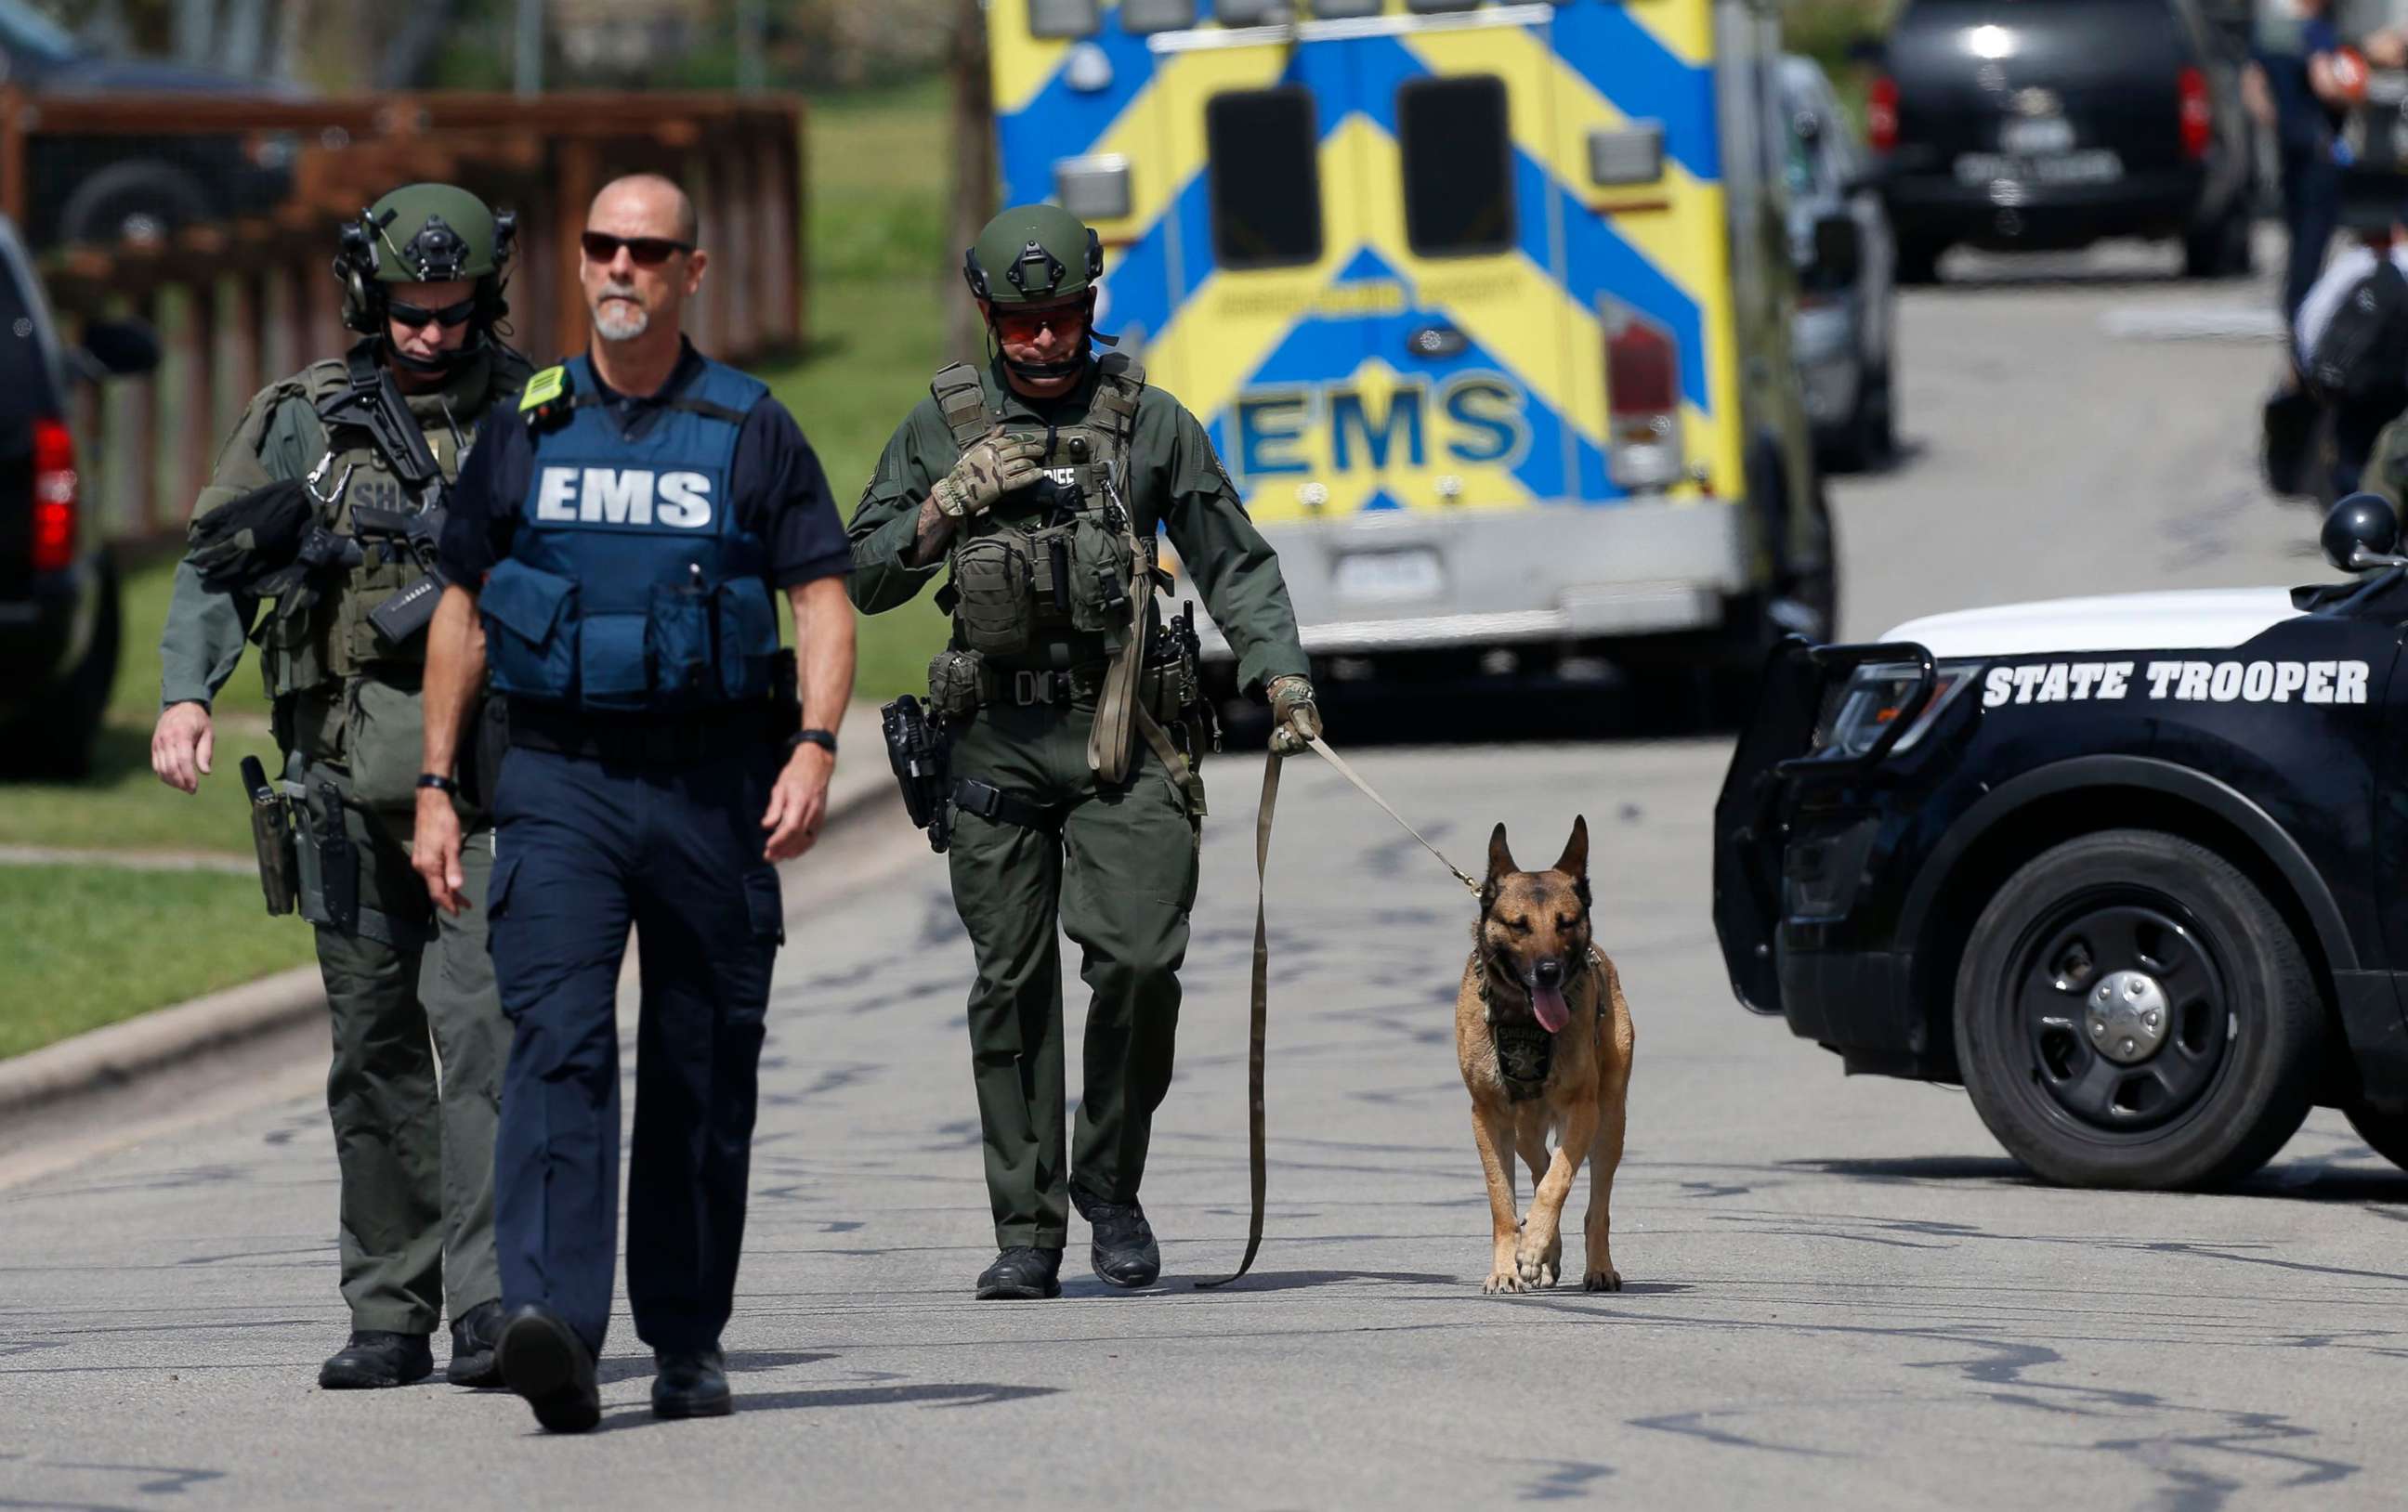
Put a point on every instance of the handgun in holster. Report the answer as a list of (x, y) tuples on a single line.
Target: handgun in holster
[(328, 867), (271, 835), (917, 748)]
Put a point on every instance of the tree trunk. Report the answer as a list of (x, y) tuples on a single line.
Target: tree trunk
[(974, 175)]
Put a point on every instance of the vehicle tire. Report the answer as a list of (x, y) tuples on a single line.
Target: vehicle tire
[(1918, 261), (57, 744), (2386, 1133), (2198, 1063), (128, 201)]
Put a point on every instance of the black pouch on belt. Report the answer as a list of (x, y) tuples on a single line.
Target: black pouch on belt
[(271, 835), (338, 865)]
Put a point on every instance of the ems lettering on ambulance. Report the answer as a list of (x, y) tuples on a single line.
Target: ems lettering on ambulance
[(2178, 681), (624, 497)]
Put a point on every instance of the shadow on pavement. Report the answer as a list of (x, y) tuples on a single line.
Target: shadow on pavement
[(934, 1394), (1299, 1281), (1924, 1168)]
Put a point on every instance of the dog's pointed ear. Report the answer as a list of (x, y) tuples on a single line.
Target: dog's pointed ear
[(1573, 863), (1501, 862), (1500, 858)]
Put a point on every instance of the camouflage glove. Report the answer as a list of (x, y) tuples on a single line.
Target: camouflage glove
[(990, 469), (1296, 722)]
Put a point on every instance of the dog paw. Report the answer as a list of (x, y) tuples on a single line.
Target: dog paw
[(1608, 1280), (1537, 1271), (1502, 1282)]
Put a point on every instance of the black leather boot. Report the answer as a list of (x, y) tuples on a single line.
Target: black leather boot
[(1022, 1273), (476, 1343), (374, 1359), (545, 1362), (691, 1383), (1123, 1252)]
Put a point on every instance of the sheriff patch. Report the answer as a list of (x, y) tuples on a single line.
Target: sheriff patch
[(2181, 682)]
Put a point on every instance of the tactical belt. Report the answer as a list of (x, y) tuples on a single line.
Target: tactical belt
[(682, 739)]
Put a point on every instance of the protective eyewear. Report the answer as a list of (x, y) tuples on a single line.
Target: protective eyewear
[(416, 317), (1025, 325), (647, 252)]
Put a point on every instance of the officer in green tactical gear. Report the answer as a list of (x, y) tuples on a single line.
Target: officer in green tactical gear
[(1075, 716), (326, 500)]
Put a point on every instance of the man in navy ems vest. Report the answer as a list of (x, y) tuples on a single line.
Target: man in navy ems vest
[(627, 528)]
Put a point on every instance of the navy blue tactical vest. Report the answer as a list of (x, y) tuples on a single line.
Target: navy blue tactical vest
[(631, 585)]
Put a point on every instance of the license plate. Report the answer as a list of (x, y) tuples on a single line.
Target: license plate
[(2096, 166), (2042, 138), (1387, 575)]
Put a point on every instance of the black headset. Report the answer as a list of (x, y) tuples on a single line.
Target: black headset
[(365, 297)]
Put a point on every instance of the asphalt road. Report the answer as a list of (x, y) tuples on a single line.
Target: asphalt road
[(1840, 1293)]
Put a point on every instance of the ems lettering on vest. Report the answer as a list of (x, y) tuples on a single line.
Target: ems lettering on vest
[(2179, 682), (631, 497)]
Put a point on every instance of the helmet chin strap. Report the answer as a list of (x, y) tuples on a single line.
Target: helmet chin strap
[(442, 362)]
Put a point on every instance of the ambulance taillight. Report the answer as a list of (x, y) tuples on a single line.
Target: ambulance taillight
[(1643, 398)]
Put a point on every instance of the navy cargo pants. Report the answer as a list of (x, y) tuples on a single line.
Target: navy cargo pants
[(585, 848)]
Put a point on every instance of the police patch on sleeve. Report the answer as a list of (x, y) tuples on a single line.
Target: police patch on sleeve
[(2178, 681)]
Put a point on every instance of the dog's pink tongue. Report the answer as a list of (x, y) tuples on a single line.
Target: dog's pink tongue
[(1548, 1003)]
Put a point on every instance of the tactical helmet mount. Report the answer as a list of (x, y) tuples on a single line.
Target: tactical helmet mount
[(433, 249)]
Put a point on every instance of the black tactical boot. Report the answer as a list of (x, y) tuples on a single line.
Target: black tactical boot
[(691, 1383), (1022, 1273), (372, 1360), (545, 1362), (475, 1340), (1124, 1253)]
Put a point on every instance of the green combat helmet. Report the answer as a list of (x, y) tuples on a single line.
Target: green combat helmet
[(1035, 254), (424, 233)]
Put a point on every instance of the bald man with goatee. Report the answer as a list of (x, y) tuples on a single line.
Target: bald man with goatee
[(626, 532)]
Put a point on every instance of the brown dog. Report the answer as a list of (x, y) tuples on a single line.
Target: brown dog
[(1543, 1038)]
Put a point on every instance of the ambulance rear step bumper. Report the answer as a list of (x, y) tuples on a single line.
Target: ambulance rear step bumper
[(1549, 572)]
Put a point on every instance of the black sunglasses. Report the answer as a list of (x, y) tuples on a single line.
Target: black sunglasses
[(416, 317), (648, 252)]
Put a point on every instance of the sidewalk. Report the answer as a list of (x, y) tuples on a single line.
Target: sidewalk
[(111, 1057)]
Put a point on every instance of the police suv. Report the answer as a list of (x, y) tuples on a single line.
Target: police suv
[(1484, 305), (2124, 868)]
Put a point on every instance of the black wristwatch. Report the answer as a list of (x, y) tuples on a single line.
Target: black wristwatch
[(825, 739), (436, 780)]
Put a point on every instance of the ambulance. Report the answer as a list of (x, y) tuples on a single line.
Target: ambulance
[(1486, 308)]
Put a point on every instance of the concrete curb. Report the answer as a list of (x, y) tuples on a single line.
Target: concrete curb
[(106, 1059)]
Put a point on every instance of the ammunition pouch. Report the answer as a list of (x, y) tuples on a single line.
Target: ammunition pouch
[(956, 685), (994, 593), (385, 730), (271, 836)]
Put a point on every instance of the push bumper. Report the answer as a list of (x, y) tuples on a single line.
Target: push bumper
[(1394, 581)]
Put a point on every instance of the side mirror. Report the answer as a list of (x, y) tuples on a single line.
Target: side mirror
[(1839, 250), (118, 348), (2362, 532)]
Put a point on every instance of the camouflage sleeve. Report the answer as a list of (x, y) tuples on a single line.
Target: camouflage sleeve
[(277, 437), (1234, 568), (887, 521)]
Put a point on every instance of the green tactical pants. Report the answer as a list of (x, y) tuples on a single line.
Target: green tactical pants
[(1119, 871), (415, 1149)]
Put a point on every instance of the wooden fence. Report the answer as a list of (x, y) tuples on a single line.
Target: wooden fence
[(238, 304)]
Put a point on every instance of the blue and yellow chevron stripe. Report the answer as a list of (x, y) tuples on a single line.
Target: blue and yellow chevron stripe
[(1304, 374)]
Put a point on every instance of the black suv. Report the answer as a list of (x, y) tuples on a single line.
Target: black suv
[(101, 189), (59, 628), (2055, 123)]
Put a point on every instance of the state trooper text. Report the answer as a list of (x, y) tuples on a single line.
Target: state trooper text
[(2216, 682)]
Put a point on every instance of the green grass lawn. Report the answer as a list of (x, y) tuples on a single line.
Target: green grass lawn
[(881, 275), (86, 946)]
